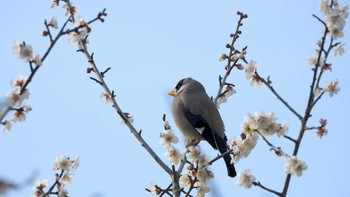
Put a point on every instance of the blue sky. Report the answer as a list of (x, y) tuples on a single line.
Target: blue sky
[(150, 45)]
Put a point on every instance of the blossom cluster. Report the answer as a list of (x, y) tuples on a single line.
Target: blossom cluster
[(245, 179), (25, 52), (294, 166), (260, 123), (197, 175), (250, 74), (334, 16), (15, 100), (81, 28), (330, 87), (167, 139), (67, 167), (229, 91)]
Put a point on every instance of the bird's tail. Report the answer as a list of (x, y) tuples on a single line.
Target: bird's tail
[(231, 171), (220, 143)]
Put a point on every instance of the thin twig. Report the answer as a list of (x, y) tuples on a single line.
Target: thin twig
[(273, 147), (49, 191), (285, 103), (267, 189), (290, 138), (230, 63)]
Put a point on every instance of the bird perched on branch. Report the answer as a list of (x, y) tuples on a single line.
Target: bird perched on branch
[(197, 117)]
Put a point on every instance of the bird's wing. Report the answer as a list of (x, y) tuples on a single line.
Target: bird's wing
[(200, 124), (201, 104), (198, 112)]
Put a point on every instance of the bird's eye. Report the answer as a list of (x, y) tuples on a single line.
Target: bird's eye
[(179, 84)]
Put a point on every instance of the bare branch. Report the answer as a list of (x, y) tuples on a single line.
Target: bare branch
[(270, 87), (266, 189)]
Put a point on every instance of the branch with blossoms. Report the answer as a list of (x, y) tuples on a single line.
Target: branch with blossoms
[(67, 167), (197, 176), (189, 171), (232, 59), (20, 91), (264, 124)]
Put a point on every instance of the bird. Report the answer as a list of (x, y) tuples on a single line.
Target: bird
[(198, 118)]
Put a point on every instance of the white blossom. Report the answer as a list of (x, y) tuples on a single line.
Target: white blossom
[(15, 99), (173, 155), (53, 23), (40, 184), (7, 126), (204, 175), (334, 17), (19, 81), (193, 153), (63, 193), (106, 98), (339, 50), (332, 88), (250, 74), (19, 116), (62, 163), (242, 145), (294, 166), (203, 161), (245, 179), (185, 179), (36, 59), (222, 57), (23, 51), (68, 10), (202, 190), (167, 137), (154, 189)]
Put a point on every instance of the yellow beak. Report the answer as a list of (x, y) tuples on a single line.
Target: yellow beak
[(172, 92)]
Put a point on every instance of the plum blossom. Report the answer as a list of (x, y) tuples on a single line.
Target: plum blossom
[(332, 88), (22, 50), (69, 9), (294, 166), (154, 189), (173, 155), (36, 59), (250, 74), (167, 137), (339, 50), (19, 81), (245, 179), (15, 98), (185, 179), (62, 163), (106, 98), (204, 175), (241, 145), (7, 126), (53, 23), (193, 153), (202, 190), (222, 57), (63, 193), (334, 17), (229, 91)]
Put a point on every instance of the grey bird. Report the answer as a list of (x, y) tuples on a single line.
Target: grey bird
[(198, 118)]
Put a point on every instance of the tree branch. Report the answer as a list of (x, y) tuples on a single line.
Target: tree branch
[(267, 189), (270, 87)]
